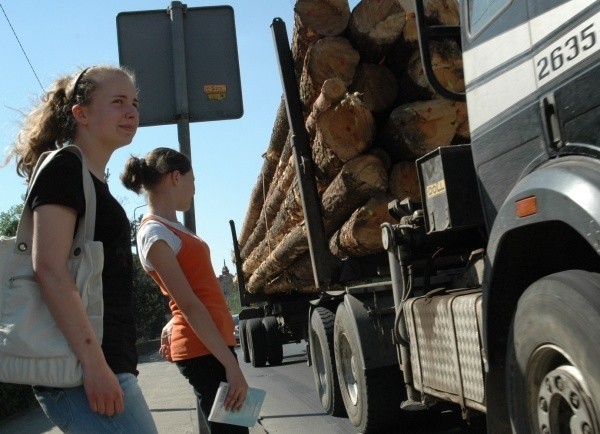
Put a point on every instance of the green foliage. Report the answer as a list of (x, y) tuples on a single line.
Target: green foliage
[(150, 305), (230, 290), (9, 220)]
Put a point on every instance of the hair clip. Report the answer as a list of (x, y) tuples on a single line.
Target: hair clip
[(77, 80)]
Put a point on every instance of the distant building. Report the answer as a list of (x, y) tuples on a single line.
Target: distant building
[(226, 280), (228, 284)]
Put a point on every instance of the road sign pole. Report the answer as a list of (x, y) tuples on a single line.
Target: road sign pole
[(176, 11)]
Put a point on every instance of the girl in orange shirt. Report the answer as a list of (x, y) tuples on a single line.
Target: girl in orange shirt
[(202, 339)]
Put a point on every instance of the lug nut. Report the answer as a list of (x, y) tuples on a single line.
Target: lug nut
[(574, 400), (543, 405), (560, 384), (545, 430), (586, 429)]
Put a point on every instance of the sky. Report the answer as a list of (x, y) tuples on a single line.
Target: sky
[(61, 37)]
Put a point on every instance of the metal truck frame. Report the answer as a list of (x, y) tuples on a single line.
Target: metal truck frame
[(491, 299)]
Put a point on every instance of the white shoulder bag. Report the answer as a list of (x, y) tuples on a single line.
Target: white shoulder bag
[(33, 350)]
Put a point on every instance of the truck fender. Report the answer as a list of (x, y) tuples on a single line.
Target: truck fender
[(566, 190), (375, 350)]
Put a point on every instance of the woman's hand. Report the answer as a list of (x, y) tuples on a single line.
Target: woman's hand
[(103, 391), (165, 341), (238, 389)]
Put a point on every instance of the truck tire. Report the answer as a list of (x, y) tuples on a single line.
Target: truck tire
[(244, 342), (371, 397), (257, 342), (553, 362), (274, 345), (320, 340)]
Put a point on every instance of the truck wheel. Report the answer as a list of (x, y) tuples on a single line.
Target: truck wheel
[(553, 362), (244, 342), (320, 340), (371, 397), (257, 342), (274, 345)]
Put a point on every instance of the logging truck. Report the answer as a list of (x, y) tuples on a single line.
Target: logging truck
[(484, 291)]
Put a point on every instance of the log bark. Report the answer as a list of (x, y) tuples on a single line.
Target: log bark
[(289, 215), (298, 277), (329, 57), (417, 128), (273, 201), (359, 179), (314, 19), (342, 132), (404, 181), (361, 234), (377, 85), (375, 26), (276, 144), (383, 155)]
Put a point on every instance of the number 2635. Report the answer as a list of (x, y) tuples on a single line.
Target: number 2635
[(567, 52)]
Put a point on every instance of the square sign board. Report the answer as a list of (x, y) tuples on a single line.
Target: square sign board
[(211, 63)]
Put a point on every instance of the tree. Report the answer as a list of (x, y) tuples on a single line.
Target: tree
[(9, 220), (150, 304)]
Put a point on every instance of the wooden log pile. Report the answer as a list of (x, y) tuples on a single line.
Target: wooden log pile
[(369, 113)]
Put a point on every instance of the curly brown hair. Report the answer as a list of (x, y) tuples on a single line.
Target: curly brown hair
[(50, 124)]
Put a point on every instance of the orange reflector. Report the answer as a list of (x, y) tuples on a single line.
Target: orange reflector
[(526, 207)]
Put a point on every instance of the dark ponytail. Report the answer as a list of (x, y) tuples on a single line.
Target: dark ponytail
[(149, 171)]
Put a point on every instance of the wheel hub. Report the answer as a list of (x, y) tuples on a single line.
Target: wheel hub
[(319, 364), (563, 404), (348, 370)]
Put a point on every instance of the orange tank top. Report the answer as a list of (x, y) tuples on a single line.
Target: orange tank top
[(194, 260)]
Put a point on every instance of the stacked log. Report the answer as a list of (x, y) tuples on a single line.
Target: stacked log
[(272, 156), (375, 27), (360, 179), (314, 19), (369, 113), (414, 129), (361, 234), (329, 57)]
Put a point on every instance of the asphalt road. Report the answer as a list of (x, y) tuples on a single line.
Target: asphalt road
[(292, 407)]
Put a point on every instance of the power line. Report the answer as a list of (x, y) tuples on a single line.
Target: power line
[(22, 49)]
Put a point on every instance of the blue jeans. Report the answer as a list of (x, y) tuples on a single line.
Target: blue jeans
[(70, 411)]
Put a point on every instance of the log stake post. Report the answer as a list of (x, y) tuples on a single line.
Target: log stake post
[(245, 297), (323, 262)]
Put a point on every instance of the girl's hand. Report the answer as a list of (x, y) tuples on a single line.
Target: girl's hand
[(165, 341), (238, 388)]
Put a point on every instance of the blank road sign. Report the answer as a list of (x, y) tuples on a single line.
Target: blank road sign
[(211, 63)]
